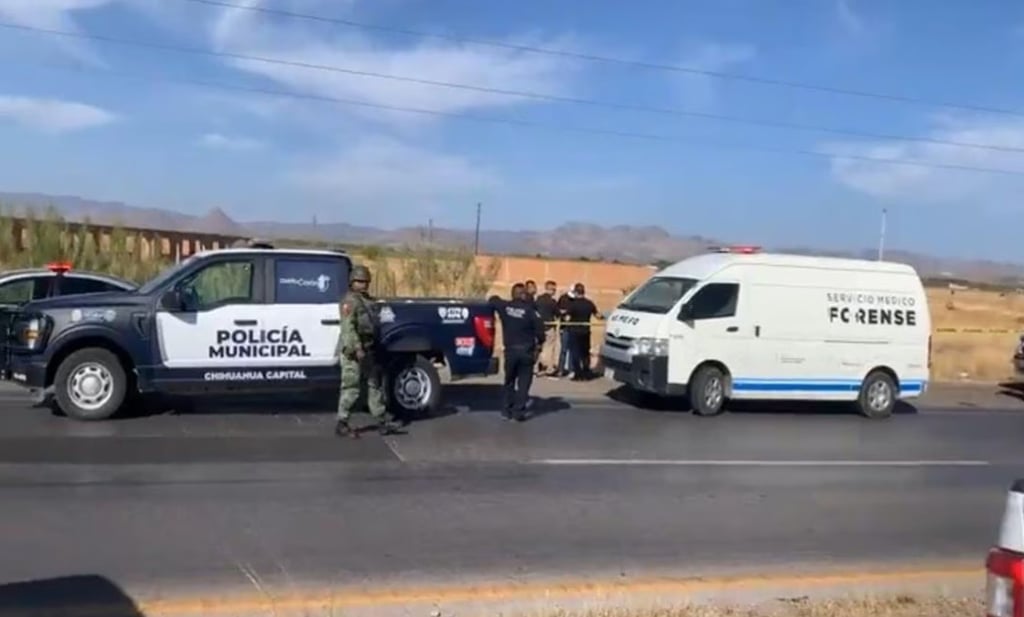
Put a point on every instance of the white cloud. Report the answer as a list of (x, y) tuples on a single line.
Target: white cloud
[(54, 15), (47, 13), (850, 20), (933, 184), (699, 90), (381, 172), (219, 141), (247, 33), (52, 115)]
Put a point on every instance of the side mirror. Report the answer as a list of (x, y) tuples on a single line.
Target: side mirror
[(171, 300), (686, 312)]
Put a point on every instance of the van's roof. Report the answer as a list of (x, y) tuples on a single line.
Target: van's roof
[(703, 266)]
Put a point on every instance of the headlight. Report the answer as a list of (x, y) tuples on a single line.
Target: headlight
[(30, 335), (650, 347)]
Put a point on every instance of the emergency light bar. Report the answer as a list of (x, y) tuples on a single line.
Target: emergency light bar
[(741, 250), (60, 267)]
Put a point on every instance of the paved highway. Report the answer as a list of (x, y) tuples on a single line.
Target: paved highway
[(223, 496)]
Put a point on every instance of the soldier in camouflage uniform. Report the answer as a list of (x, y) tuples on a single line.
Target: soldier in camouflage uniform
[(360, 363)]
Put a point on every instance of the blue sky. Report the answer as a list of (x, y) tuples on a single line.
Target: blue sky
[(159, 143)]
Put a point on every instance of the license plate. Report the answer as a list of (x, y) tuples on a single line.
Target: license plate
[(609, 373)]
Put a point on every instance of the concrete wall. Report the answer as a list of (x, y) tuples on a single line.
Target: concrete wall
[(606, 282), (152, 243)]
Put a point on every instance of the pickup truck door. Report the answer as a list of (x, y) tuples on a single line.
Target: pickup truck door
[(304, 296), (222, 322)]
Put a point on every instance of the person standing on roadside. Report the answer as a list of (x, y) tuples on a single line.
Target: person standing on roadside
[(531, 290), (360, 363), (522, 334), (565, 355), (547, 308), (581, 310)]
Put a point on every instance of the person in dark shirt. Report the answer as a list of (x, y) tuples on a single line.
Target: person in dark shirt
[(531, 290), (547, 308), (580, 312), (566, 362), (522, 333)]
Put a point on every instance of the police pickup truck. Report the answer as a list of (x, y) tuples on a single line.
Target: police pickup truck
[(244, 320)]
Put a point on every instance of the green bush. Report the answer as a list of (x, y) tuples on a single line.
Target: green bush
[(53, 239), (418, 270)]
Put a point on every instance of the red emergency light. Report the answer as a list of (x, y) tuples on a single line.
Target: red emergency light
[(59, 267), (741, 249)]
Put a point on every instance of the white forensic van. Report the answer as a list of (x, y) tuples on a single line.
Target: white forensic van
[(737, 323)]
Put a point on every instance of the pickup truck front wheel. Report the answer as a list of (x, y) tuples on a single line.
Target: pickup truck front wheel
[(90, 384), (414, 387)]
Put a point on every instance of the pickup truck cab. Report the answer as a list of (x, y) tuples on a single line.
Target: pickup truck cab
[(247, 320)]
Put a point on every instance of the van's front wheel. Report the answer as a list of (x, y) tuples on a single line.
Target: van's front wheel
[(707, 391), (877, 398)]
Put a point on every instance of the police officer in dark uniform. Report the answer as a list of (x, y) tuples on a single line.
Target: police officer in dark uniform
[(523, 334)]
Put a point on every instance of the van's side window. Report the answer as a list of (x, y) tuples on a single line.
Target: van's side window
[(716, 300)]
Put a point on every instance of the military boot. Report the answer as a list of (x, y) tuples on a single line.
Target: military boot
[(343, 429), (389, 426)]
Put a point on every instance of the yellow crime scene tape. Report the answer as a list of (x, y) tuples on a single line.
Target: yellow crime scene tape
[(977, 331)]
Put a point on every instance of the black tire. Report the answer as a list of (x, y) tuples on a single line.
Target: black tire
[(878, 395), (703, 387), (407, 374), (104, 365)]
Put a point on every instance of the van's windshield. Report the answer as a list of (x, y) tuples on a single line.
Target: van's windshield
[(658, 295)]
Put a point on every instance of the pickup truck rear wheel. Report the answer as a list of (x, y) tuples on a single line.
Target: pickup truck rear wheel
[(90, 384), (414, 387)]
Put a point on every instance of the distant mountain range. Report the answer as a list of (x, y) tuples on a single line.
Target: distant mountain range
[(629, 244)]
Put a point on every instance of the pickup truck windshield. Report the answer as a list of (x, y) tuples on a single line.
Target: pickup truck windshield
[(154, 283), (658, 295)]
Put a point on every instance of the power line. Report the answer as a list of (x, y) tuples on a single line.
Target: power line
[(563, 53), (778, 124), (149, 77)]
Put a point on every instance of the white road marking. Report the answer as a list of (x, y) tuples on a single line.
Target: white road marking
[(390, 443), (758, 463)]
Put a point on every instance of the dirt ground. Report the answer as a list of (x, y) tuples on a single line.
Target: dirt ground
[(975, 333), (898, 606)]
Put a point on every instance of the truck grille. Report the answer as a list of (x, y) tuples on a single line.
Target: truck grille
[(618, 342)]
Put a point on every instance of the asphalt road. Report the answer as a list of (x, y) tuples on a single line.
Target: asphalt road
[(221, 496)]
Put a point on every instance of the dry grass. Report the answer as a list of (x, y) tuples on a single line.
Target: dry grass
[(897, 606), (419, 270), (985, 355), (429, 271)]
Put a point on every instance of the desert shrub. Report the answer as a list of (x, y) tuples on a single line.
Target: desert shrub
[(51, 238), (421, 270), (431, 271)]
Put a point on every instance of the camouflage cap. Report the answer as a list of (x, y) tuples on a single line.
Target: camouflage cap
[(359, 273)]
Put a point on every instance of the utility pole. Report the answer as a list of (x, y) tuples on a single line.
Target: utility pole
[(881, 237), (476, 236), (430, 231)]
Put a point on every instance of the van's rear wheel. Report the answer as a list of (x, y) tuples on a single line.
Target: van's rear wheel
[(707, 391), (90, 384), (877, 398)]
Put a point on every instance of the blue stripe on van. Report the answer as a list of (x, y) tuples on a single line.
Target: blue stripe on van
[(813, 385)]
